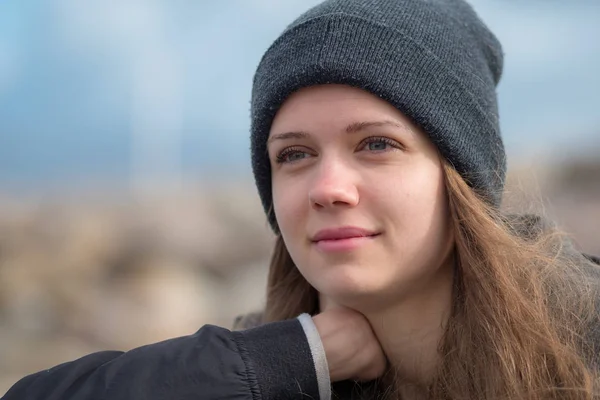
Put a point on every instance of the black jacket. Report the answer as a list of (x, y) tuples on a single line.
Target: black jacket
[(267, 362)]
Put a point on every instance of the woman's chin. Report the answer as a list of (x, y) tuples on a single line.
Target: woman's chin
[(352, 289)]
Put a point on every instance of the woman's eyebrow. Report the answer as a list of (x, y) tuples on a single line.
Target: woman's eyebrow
[(288, 135), (352, 128), (359, 126)]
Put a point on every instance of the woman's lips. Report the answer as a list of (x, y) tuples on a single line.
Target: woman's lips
[(342, 239)]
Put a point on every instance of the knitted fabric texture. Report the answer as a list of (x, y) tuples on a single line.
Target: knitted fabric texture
[(434, 60)]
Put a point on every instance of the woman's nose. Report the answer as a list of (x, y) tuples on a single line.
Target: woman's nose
[(334, 184)]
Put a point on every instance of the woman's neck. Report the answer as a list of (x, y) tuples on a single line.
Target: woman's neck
[(410, 331)]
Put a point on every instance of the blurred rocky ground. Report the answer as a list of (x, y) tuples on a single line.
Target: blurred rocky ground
[(90, 272)]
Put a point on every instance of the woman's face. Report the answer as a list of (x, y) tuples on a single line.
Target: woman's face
[(359, 196)]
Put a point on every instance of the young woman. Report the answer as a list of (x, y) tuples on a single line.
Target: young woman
[(378, 158)]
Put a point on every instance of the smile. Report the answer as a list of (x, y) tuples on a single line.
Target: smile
[(342, 239)]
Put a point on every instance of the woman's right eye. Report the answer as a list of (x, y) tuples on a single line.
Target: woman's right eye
[(291, 155)]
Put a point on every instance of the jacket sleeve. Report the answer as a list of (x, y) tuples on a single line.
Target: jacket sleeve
[(272, 361)]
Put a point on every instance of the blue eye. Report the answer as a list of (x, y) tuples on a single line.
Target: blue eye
[(379, 144), (291, 155), (296, 155)]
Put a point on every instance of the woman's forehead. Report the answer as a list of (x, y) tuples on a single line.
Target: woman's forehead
[(338, 107)]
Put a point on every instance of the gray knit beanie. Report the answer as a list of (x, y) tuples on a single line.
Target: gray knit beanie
[(434, 60)]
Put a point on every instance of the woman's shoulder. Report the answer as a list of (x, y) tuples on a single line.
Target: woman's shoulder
[(594, 259), (531, 226), (249, 320)]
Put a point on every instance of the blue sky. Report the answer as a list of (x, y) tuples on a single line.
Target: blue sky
[(149, 90)]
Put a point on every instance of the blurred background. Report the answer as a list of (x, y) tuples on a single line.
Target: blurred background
[(128, 213)]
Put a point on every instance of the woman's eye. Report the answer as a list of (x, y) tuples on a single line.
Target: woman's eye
[(379, 144), (296, 155), (291, 156)]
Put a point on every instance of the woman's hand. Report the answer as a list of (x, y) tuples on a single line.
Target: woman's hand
[(351, 348)]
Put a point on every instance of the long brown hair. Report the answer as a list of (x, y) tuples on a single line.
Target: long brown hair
[(522, 312)]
